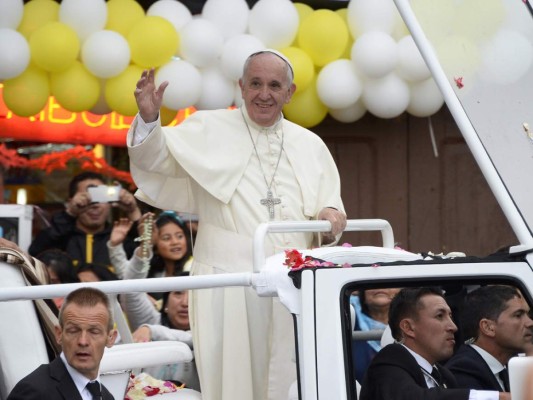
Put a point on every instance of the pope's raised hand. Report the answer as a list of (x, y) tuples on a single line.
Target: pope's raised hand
[(148, 97)]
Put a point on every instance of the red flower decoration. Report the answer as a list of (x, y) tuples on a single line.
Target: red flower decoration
[(293, 258), (151, 391), (459, 82), (296, 261)]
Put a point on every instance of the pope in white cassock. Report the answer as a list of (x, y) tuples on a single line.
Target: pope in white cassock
[(236, 169)]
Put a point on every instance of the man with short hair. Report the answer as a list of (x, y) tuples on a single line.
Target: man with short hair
[(85, 330), (236, 169), (495, 319), (421, 323), (83, 229)]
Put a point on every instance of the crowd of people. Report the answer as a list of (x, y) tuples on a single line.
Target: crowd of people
[(234, 169), (82, 244)]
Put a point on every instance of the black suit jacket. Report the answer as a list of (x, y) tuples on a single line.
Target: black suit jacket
[(471, 371), (50, 382), (394, 374)]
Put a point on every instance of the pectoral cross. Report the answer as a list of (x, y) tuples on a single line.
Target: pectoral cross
[(269, 202)]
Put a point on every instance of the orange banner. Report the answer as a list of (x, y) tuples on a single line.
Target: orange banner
[(54, 124)]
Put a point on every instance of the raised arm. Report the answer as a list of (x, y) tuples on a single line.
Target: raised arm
[(148, 97)]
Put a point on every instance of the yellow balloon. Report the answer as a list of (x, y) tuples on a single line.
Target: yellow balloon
[(167, 115), (347, 53), (305, 108), (343, 13), (483, 18), (122, 15), (324, 36), (304, 70), (303, 11), (76, 89), (27, 94), (54, 47), (119, 91), (36, 14), (153, 41), (435, 17)]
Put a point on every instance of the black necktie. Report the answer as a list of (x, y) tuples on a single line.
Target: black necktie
[(504, 376), (94, 389), (435, 373)]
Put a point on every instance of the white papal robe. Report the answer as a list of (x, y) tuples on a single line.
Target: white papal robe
[(244, 344)]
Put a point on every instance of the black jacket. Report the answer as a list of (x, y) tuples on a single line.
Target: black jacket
[(62, 234), (394, 374), (471, 370), (51, 382)]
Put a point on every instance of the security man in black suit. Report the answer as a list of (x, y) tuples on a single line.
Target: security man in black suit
[(496, 321), (85, 329), (421, 323)]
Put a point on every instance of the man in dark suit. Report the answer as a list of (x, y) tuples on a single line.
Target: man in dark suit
[(85, 329), (496, 321), (421, 323)]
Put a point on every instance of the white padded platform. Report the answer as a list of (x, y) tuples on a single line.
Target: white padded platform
[(22, 343), (521, 377)]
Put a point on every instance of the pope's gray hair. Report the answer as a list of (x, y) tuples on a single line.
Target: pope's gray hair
[(290, 71)]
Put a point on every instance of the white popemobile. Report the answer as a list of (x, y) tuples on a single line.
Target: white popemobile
[(492, 103)]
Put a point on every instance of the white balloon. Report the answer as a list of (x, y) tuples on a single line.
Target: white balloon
[(375, 54), (235, 52), (274, 22), (338, 85), (504, 64), (84, 16), (231, 16), (185, 84), (238, 100), (349, 114), (11, 12), (375, 15), (426, 98), (387, 97), (173, 11), (411, 66), (15, 53), (201, 42), (105, 53), (217, 90)]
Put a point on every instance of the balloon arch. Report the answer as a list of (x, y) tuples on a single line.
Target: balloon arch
[(88, 55)]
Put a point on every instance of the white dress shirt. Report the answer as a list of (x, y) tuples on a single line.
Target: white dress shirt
[(426, 366), (79, 380)]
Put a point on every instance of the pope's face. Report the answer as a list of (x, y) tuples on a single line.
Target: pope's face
[(265, 88)]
